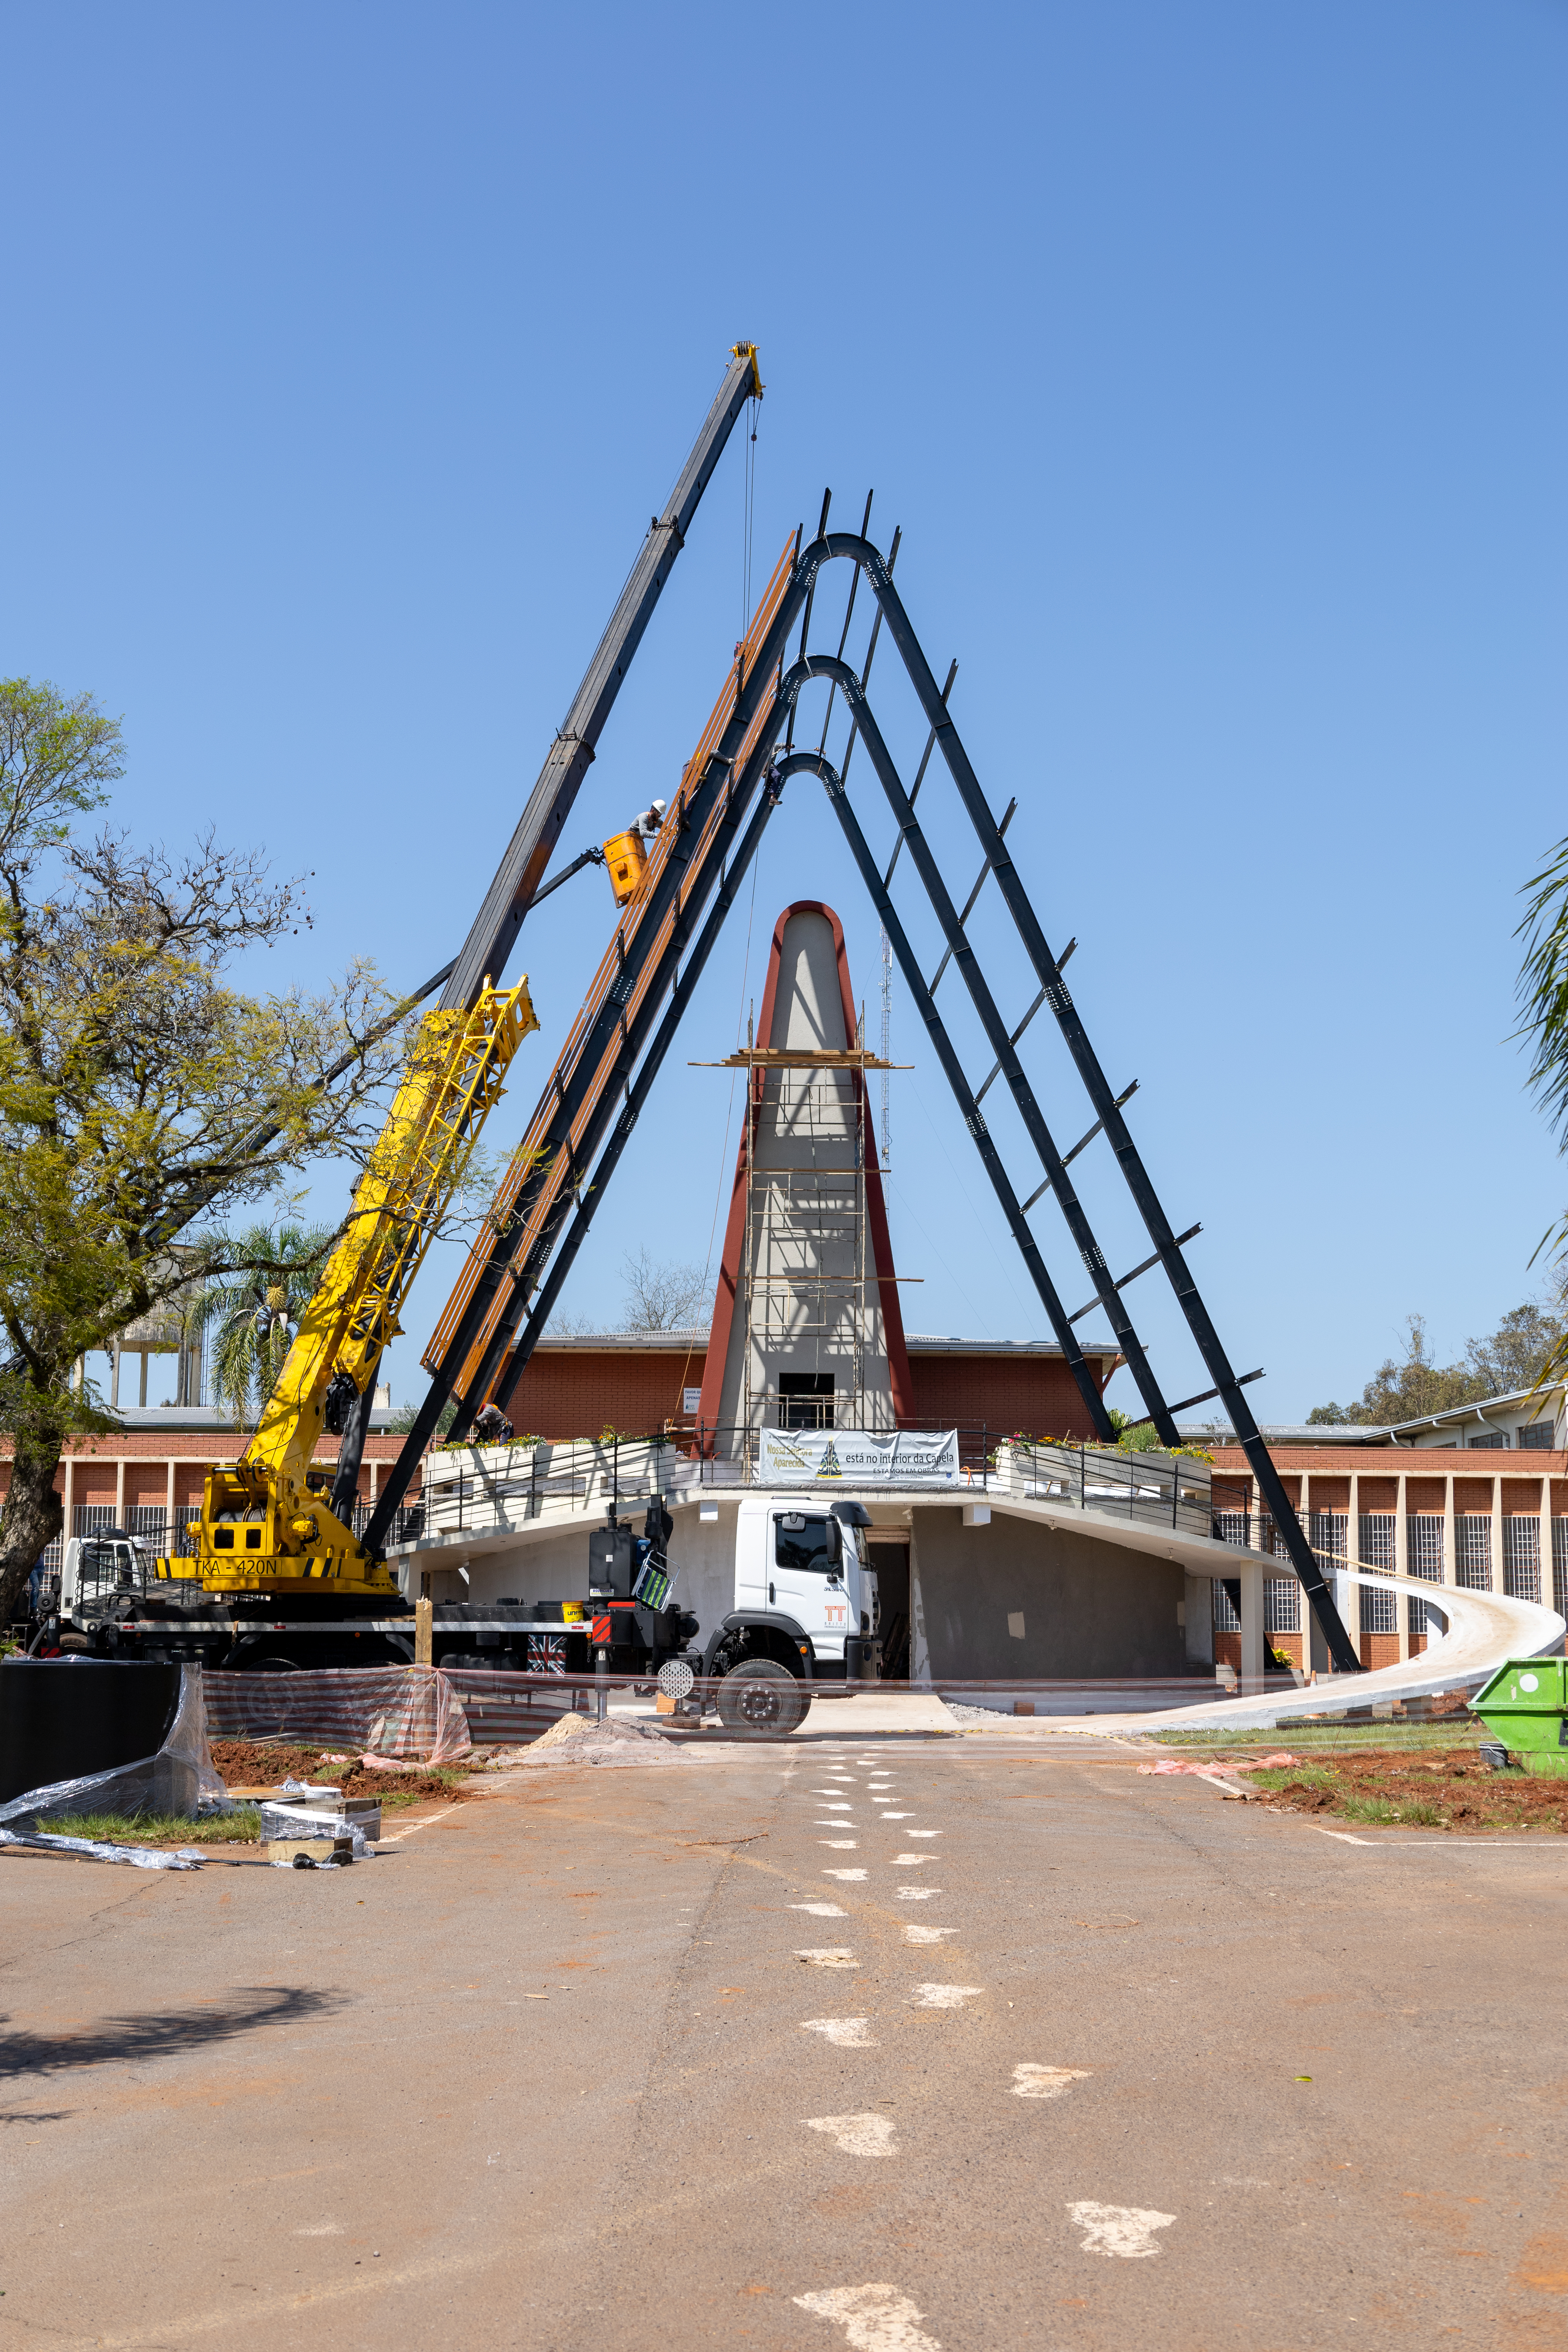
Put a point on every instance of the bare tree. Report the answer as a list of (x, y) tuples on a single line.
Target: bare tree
[(662, 1297)]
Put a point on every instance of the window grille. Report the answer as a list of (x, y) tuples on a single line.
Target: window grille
[(1473, 1546), (1281, 1605), (91, 1518), (1491, 1438), (1226, 1620), (1329, 1531), (1536, 1436), (1234, 1527), (1424, 1558), (1521, 1556), (1379, 1610), (1560, 1566)]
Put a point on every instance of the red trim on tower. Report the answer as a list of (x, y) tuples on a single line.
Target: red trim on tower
[(875, 1208)]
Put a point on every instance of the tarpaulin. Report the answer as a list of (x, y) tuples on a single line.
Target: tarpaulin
[(410, 1713)]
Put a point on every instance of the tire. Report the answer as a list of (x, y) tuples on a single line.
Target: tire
[(270, 1665), (762, 1700)]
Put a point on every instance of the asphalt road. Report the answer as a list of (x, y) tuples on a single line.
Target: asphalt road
[(1108, 2063)]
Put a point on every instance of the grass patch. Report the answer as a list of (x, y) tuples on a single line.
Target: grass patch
[(1293, 1776), (1337, 1738), (240, 1828)]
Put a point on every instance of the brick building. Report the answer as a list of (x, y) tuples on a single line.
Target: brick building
[(1430, 1512), (640, 1382), (147, 1475)]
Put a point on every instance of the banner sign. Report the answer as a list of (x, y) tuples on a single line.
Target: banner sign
[(857, 1457)]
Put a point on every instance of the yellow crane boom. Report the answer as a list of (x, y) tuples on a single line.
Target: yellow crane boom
[(264, 1525)]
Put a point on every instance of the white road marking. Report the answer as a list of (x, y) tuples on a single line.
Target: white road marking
[(918, 1894), (1031, 2081), (1125, 2230), (848, 2032), (821, 1910), (936, 1996), (1343, 1836), (912, 1861), (828, 1956), (837, 1846), (855, 2135), (844, 1874), (923, 1834), (874, 2318), (845, 1808), (927, 1935), (896, 1817)]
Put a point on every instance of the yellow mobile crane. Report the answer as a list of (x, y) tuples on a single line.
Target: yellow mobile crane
[(266, 1524), (276, 1551)]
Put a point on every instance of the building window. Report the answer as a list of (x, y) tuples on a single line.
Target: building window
[(1379, 1610), (1488, 1438), (1233, 1527), (1560, 1566), (1536, 1436), (805, 1401), (1424, 1558), (1473, 1546), (1226, 1620), (1522, 1556), (1281, 1605)]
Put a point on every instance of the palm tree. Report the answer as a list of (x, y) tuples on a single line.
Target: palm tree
[(1543, 995), (254, 1317)]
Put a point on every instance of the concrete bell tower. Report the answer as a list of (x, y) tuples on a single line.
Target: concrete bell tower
[(807, 1331)]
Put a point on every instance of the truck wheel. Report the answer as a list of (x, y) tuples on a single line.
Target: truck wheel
[(760, 1700)]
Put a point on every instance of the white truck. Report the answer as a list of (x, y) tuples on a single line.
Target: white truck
[(800, 1617), (806, 1621)]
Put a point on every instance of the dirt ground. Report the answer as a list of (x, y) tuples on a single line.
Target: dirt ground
[(266, 1764), (1448, 1788)]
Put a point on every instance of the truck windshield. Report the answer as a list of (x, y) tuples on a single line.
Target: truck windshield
[(801, 1539), (107, 1567)]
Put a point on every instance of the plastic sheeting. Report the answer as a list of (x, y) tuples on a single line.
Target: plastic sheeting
[(410, 1713), (176, 1780)]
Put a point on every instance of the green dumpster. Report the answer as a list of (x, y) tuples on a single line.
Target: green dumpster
[(1525, 1706)]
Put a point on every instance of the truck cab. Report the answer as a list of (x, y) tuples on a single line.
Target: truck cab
[(102, 1576), (806, 1621)]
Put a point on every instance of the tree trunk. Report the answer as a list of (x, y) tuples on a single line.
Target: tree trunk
[(32, 1518)]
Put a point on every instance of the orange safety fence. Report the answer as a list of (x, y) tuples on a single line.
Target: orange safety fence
[(559, 1174)]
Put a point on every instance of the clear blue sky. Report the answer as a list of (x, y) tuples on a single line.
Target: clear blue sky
[(1212, 357)]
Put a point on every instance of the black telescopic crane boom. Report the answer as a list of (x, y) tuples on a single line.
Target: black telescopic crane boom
[(487, 948)]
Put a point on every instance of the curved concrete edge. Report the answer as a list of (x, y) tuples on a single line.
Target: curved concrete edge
[(1484, 1630)]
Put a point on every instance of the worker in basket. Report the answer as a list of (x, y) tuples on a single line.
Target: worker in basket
[(491, 1426)]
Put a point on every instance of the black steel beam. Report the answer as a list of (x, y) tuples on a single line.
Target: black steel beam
[(542, 1305), (1048, 971), (487, 948)]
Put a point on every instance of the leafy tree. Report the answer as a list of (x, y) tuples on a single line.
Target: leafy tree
[(142, 1094), (1403, 1388), (254, 1317)]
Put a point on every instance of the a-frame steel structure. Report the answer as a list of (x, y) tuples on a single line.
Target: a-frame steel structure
[(612, 1059)]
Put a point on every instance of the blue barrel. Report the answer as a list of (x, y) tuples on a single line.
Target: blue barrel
[(61, 1722)]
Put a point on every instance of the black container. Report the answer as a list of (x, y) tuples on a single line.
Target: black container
[(60, 1722)]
